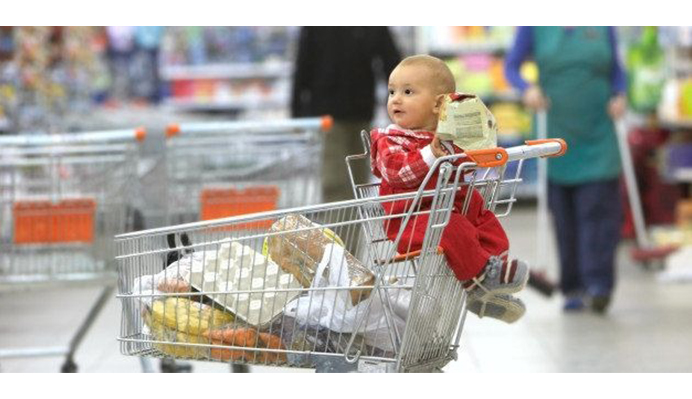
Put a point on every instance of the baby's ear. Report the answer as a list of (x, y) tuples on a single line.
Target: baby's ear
[(439, 100)]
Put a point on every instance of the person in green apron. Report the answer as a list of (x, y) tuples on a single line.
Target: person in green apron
[(582, 87)]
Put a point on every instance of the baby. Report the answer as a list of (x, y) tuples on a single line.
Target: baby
[(474, 243)]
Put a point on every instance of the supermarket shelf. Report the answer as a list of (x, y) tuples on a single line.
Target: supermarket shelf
[(676, 123), (507, 96), (228, 71), (184, 104), (470, 48), (5, 124)]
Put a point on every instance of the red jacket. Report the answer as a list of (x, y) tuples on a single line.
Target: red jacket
[(398, 157)]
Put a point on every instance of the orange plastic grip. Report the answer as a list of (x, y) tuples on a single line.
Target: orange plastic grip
[(327, 123), (488, 158), (413, 254), (172, 129), (563, 145), (140, 134)]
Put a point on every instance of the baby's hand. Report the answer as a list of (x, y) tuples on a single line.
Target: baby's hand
[(437, 148)]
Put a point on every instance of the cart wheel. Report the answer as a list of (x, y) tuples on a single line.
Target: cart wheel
[(68, 367), (171, 366), (239, 368)]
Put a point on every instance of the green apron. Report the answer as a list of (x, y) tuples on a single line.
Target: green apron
[(575, 66)]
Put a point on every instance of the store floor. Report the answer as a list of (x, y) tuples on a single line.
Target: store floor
[(647, 329)]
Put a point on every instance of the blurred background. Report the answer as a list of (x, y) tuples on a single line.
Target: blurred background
[(81, 79)]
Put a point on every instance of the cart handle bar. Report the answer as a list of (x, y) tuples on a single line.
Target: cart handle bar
[(563, 145), (138, 134), (491, 157), (324, 123)]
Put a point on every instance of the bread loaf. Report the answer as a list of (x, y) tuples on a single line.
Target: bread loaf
[(300, 249)]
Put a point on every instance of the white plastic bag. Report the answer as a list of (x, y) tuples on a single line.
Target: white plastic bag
[(332, 308)]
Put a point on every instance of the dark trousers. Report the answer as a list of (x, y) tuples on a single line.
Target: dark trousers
[(587, 220)]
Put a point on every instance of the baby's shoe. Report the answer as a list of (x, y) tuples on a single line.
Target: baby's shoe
[(498, 277), (501, 307)]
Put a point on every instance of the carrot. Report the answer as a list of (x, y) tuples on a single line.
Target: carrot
[(224, 354), (234, 336), (271, 341)]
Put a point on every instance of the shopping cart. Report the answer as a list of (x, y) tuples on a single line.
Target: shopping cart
[(645, 250), (62, 199), (321, 287), (221, 169)]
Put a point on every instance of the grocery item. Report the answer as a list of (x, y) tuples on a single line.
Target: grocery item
[(234, 270), (686, 98), (300, 248), (249, 338), (187, 316), (181, 321), (467, 122), (646, 71)]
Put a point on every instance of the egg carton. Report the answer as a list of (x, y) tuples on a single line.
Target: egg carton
[(244, 282)]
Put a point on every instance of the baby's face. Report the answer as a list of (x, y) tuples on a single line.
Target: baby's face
[(412, 102)]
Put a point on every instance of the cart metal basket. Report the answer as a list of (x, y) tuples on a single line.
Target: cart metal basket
[(317, 286)]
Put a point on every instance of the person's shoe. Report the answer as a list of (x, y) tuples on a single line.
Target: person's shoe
[(573, 304), (501, 307), (599, 303), (498, 277)]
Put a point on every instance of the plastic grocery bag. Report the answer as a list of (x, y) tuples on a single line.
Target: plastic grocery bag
[(332, 308)]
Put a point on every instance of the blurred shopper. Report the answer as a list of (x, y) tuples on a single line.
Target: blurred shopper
[(147, 45), (335, 74), (582, 86), (121, 45)]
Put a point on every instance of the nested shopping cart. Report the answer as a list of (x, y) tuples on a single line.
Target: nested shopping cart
[(221, 169), (62, 199), (318, 286)]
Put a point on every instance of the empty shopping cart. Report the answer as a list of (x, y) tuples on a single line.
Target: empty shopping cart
[(221, 169), (62, 199)]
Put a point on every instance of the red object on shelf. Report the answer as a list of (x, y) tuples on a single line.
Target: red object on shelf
[(42, 222), (220, 203)]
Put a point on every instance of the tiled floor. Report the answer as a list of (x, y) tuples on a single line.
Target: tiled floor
[(649, 327)]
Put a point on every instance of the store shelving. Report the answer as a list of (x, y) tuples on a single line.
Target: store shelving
[(475, 55), (267, 70), (236, 69)]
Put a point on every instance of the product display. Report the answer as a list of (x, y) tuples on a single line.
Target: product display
[(646, 72), (225, 68)]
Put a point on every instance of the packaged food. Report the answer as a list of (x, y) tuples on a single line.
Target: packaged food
[(300, 249), (467, 122), (248, 284)]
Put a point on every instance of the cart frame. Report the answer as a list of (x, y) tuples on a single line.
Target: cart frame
[(433, 317)]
